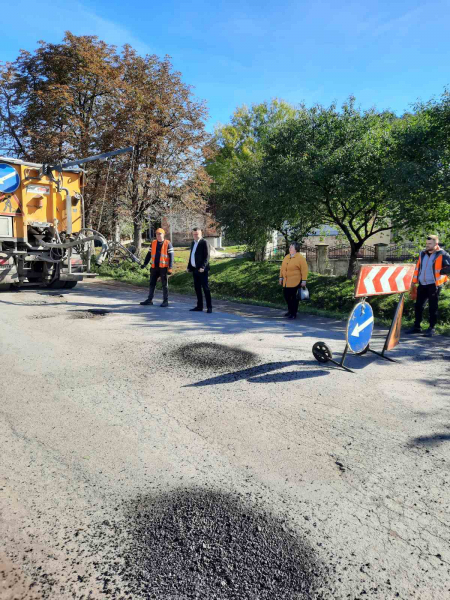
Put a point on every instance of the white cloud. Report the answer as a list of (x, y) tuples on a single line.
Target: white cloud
[(78, 18), (89, 23), (400, 25)]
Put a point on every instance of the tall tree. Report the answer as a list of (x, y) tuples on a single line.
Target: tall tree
[(61, 94), (243, 199), (159, 117), (81, 97), (352, 167)]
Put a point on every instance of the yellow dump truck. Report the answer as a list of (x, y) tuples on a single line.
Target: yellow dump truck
[(43, 238)]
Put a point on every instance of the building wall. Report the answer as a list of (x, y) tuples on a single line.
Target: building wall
[(183, 223)]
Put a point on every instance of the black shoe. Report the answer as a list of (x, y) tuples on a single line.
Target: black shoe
[(414, 330), (146, 302), (165, 304), (430, 332), (288, 314), (209, 310), (292, 317), (196, 309)]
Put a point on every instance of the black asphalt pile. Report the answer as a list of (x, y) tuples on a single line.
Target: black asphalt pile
[(209, 355), (214, 546), (93, 313)]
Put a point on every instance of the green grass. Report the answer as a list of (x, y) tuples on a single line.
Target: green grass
[(245, 281), (233, 249)]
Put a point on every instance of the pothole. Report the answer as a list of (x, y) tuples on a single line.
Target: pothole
[(215, 356), (52, 294), (92, 313), (205, 544)]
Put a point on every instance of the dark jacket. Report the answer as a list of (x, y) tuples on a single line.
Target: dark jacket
[(201, 256)]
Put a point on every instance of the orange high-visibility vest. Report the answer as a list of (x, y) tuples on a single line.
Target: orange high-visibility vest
[(164, 257), (440, 279)]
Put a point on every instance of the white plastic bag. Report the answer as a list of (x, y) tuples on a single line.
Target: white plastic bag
[(304, 293)]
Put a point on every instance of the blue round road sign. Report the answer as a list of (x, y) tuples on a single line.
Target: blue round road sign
[(9, 179), (360, 327)]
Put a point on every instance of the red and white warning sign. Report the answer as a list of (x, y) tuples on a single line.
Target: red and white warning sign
[(375, 280)]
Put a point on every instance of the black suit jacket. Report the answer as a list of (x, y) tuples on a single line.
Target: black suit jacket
[(201, 256)]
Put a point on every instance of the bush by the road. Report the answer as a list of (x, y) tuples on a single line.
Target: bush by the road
[(243, 280)]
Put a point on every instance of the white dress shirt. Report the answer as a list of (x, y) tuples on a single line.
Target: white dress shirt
[(194, 248)]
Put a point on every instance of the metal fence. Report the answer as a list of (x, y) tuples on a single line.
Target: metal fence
[(343, 252), (279, 252), (407, 252)]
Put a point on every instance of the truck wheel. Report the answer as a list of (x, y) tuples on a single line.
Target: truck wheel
[(57, 285), (4, 287), (70, 285)]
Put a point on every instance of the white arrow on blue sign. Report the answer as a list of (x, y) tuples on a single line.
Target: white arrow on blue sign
[(9, 179), (360, 327)]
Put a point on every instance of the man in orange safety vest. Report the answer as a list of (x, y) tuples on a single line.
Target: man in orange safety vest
[(161, 255), (430, 275)]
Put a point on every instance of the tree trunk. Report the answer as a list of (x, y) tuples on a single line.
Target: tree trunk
[(353, 262), (116, 232), (260, 254), (137, 237), (115, 225)]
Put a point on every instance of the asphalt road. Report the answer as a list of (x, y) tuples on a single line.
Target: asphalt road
[(132, 441)]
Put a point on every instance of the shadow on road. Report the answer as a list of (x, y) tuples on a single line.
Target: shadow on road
[(231, 318), (265, 374), (430, 440)]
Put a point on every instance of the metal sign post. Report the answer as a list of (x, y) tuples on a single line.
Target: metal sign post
[(358, 334), (373, 280)]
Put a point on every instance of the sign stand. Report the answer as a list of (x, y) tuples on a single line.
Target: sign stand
[(358, 333), (323, 354), (381, 354), (373, 280), (393, 336)]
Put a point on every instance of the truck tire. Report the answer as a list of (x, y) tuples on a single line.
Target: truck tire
[(70, 285), (57, 285)]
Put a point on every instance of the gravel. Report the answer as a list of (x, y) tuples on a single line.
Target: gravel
[(197, 543), (214, 356), (93, 313)]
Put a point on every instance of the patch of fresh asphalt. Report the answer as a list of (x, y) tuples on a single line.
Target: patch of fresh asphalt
[(140, 460)]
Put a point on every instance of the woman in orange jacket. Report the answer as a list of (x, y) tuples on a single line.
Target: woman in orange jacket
[(293, 274)]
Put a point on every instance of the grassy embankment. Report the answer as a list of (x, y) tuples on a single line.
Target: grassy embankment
[(242, 280)]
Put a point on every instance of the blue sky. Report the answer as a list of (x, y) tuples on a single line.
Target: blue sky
[(387, 54)]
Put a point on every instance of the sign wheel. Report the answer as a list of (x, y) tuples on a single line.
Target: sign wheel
[(322, 352)]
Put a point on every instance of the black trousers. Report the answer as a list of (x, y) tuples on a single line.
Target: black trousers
[(290, 295), (431, 293), (156, 274), (201, 283)]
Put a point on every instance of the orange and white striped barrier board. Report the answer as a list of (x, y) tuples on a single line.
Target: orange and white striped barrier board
[(375, 280)]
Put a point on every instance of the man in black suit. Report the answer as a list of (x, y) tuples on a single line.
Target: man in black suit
[(198, 265)]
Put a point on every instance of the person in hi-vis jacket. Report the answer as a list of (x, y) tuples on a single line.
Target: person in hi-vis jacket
[(161, 257), (430, 275)]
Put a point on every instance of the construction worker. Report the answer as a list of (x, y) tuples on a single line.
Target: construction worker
[(161, 256), (430, 275)]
